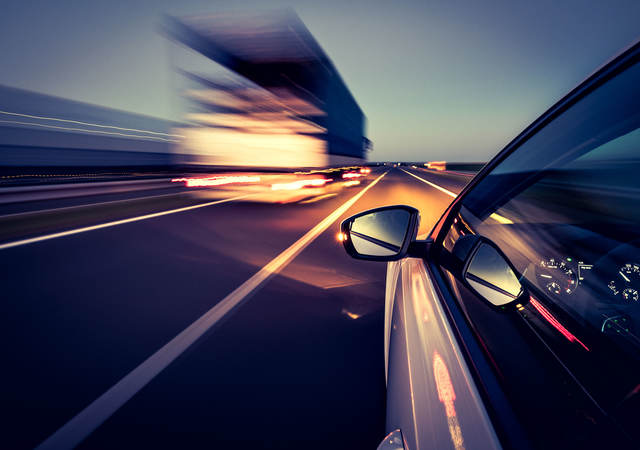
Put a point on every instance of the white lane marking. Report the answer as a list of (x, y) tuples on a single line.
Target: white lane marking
[(90, 418), (114, 223), (495, 216), (433, 185)]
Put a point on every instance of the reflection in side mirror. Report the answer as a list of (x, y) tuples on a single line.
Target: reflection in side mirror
[(381, 234), (490, 275), (393, 441)]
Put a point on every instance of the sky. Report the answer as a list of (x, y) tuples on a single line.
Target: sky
[(438, 80)]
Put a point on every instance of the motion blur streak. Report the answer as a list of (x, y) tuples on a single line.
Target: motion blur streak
[(84, 130), (554, 322), (215, 181), (83, 424), (77, 122), (501, 219), (420, 303), (351, 175), (114, 223), (411, 388), (294, 185), (447, 396), (436, 165), (319, 197)]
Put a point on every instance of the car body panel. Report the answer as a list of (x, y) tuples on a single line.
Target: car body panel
[(431, 395)]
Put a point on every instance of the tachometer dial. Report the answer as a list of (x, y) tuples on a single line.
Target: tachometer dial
[(626, 284), (558, 276)]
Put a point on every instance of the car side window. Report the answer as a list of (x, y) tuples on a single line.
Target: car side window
[(564, 209)]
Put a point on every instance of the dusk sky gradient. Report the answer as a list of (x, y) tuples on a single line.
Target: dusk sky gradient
[(454, 80)]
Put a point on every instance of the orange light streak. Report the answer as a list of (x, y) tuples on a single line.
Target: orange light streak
[(299, 184), (215, 181), (446, 394)]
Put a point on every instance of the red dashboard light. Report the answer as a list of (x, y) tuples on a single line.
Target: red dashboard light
[(555, 324)]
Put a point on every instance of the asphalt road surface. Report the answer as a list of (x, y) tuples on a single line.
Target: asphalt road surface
[(234, 325)]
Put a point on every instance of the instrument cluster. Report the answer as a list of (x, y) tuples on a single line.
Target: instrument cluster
[(563, 276)]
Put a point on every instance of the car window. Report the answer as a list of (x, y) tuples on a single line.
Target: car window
[(564, 209)]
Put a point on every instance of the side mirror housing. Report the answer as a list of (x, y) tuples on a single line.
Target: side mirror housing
[(380, 234), (487, 271)]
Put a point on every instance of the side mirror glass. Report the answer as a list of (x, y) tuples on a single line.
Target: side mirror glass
[(381, 234), (488, 272)]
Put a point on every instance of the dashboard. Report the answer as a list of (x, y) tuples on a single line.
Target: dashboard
[(604, 291), (564, 275)]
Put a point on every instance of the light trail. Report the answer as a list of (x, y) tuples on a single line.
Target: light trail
[(84, 130), (216, 181), (77, 122), (84, 423)]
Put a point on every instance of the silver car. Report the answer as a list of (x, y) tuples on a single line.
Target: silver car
[(516, 322)]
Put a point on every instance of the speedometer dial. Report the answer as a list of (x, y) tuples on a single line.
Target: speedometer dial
[(626, 284), (558, 276)]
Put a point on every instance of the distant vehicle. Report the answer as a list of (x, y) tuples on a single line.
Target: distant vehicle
[(516, 322)]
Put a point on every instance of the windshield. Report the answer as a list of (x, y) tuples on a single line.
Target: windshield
[(563, 208)]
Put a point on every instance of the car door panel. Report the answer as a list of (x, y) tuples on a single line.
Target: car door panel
[(442, 408)]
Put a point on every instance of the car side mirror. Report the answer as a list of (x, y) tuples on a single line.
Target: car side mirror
[(487, 271), (380, 234)]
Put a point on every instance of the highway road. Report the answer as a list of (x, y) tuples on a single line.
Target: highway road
[(160, 322)]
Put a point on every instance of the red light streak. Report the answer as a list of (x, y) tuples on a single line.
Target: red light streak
[(554, 322), (446, 394)]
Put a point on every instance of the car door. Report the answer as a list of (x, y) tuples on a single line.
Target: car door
[(559, 366)]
